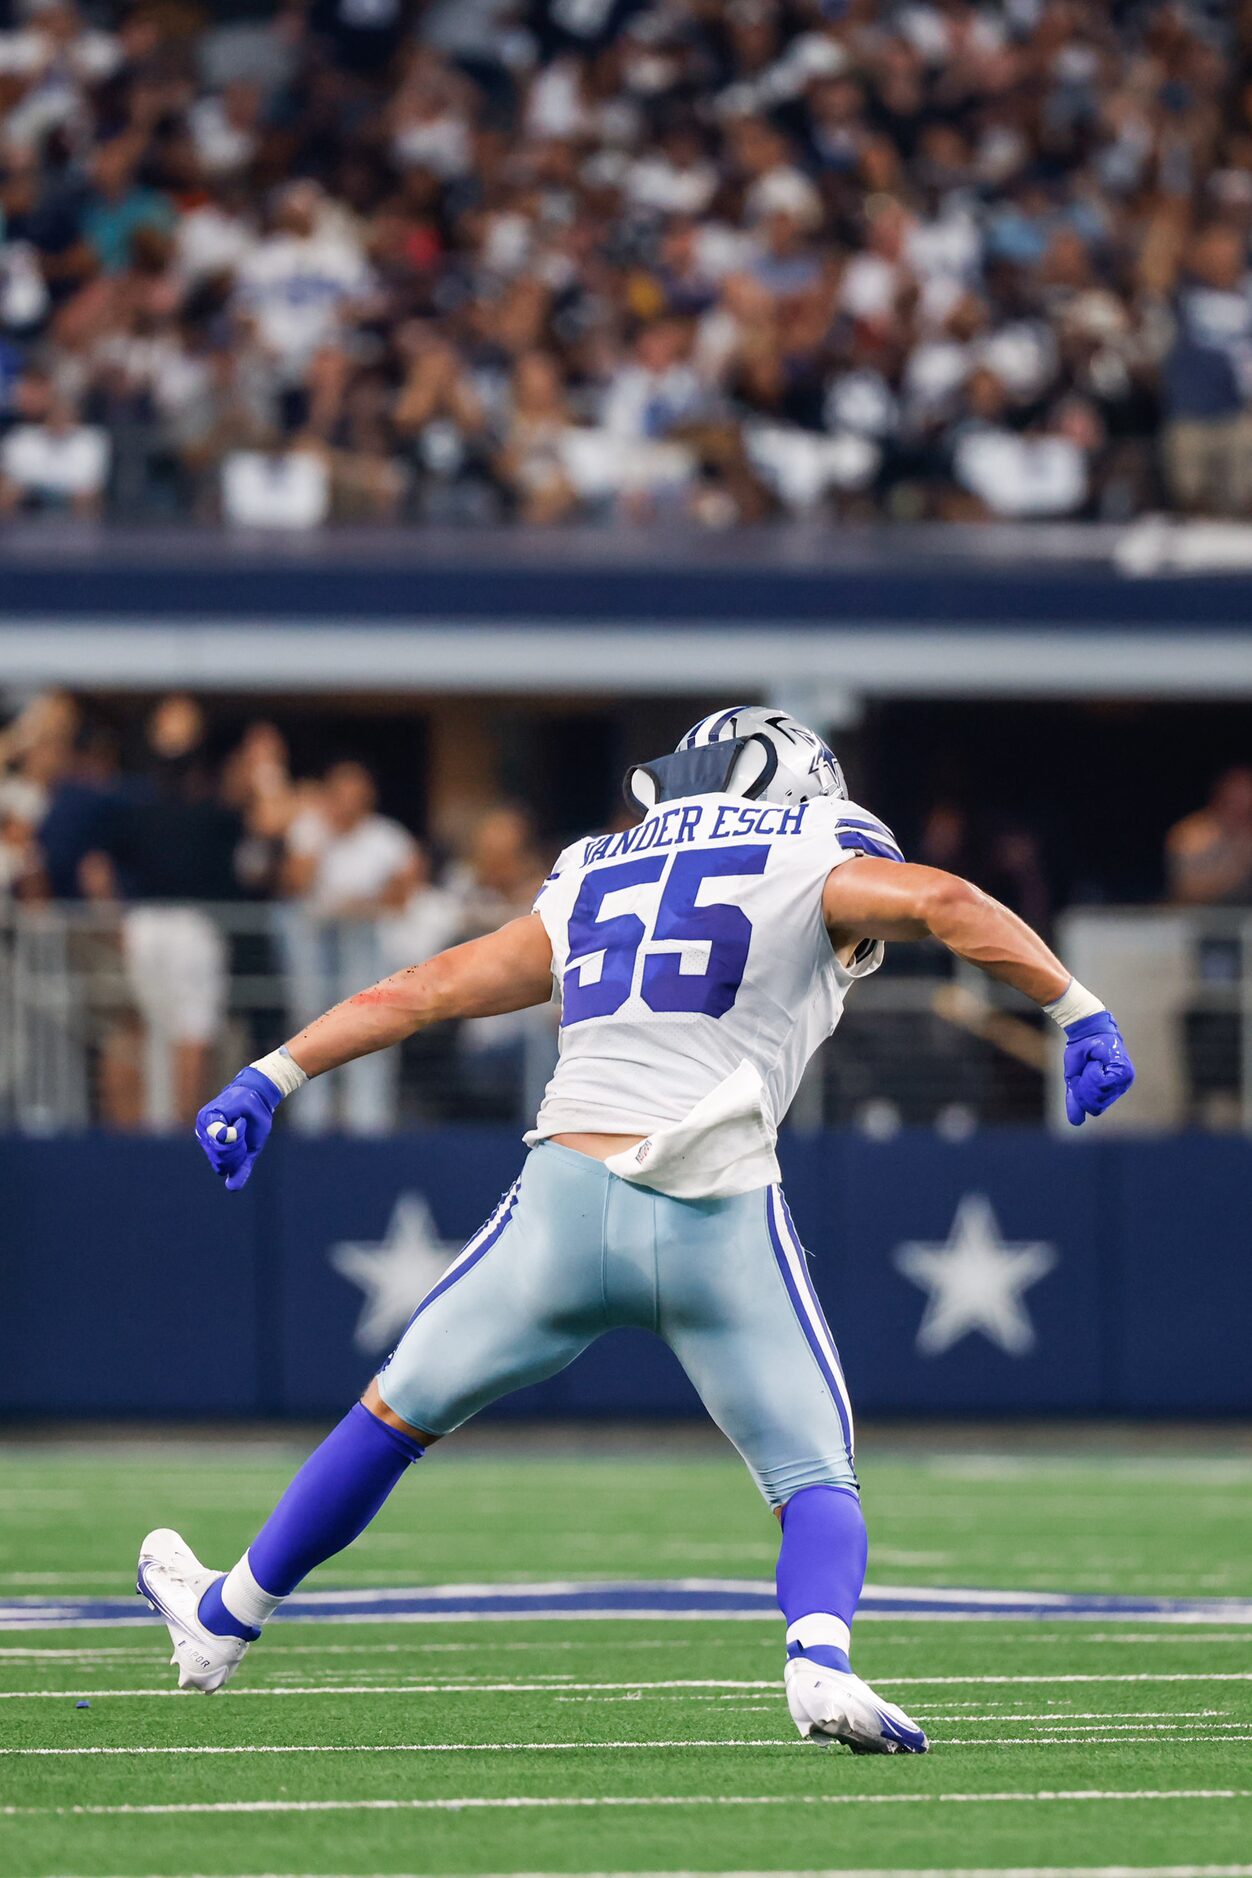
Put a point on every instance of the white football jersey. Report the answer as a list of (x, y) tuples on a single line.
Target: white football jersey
[(695, 974)]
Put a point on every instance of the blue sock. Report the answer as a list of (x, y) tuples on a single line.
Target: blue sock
[(330, 1501), (214, 1615), (821, 1569)]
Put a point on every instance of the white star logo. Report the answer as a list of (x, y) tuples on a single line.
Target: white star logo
[(395, 1273), (975, 1281)]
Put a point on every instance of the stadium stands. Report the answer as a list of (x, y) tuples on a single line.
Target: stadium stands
[(455, 262)]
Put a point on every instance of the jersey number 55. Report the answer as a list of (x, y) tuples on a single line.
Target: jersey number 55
[(617, 939)]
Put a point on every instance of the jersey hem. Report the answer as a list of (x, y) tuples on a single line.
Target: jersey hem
[(579, 1122)]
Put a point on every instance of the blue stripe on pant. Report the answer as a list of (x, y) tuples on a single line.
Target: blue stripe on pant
[(573, 1251)]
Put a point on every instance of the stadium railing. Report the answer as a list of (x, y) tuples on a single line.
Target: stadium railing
[(88, 1039)]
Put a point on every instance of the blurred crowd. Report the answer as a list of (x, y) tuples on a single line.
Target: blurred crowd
[(148, 845), (468, 260), (208, 899)]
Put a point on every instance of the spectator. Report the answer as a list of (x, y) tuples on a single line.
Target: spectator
[(1014, 872), (946, 839), (1208, 380), (226, 127), (1042, 471), (257, 783), (169, 857), (658, 389), (1208, 857), (1208, 854), (497, 880), (84, 796), (58, 799), (347, 866), (117, 206), (51, 719), (296, 288), (36, 750), (501, 872), (368, 483), (345, 860), (51, 460), (21, 862), (439, 416), (531, 462), (286, 486)]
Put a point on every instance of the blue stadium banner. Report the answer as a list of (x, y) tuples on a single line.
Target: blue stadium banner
[(127, 1285), (1007, 1274)]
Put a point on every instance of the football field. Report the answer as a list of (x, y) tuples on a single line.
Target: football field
[(604, 1694)]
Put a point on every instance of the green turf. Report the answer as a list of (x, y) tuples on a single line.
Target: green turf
[(1164, 1716)]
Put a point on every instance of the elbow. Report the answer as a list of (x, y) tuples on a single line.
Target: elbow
[(948, 900), (432, 991)]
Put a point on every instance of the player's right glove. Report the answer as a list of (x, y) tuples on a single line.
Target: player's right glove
[(234, 1127), (1097, 1068)]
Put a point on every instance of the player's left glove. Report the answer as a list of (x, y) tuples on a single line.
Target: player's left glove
[(1097, 1067), (234, 1127)]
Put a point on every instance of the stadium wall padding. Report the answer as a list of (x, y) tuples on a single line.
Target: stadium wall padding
[(1089, 1278), (787, 575)]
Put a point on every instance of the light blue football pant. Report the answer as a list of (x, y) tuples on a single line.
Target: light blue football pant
[(572, 1251)]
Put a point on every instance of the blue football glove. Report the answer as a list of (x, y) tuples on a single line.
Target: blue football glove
[(1097, 1068), (234, 1127)]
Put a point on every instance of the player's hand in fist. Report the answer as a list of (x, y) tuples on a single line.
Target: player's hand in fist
[(234, 1127), (1097, 1067)]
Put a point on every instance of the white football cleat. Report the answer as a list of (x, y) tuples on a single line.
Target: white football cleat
[(836, 1705), (173, 1581)]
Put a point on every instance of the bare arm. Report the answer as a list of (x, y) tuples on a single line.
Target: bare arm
[(870, 899), (505, 971)]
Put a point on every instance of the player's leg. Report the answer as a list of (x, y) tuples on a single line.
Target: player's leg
[(212, 1617), (740, 1312), (519, 1303)]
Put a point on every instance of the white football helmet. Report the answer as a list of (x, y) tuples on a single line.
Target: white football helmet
[(750, 750)]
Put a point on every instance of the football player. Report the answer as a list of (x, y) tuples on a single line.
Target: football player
[(700, 957)]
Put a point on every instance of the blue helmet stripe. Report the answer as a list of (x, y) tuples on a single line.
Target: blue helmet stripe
[(709, 729), (727, 717)]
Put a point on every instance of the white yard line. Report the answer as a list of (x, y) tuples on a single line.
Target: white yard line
[(279, 1647), (1061, 1718), (1154, 1637), (1218, 1470), (1167, 1675), (1111, 1724), (51, 1617), (1076, 1738), (92, 1582), (1089, 1741), (549, 1687), (394, 1747), (954, 1718), (951, 1871), (518, 1801), (635, 1689), (878, 1871)]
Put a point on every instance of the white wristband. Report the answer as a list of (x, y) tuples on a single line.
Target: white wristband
[(282, 1069), (1074, 1003)]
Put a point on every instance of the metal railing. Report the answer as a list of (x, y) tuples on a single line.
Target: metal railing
[(106, 1020), (1180, 980)]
